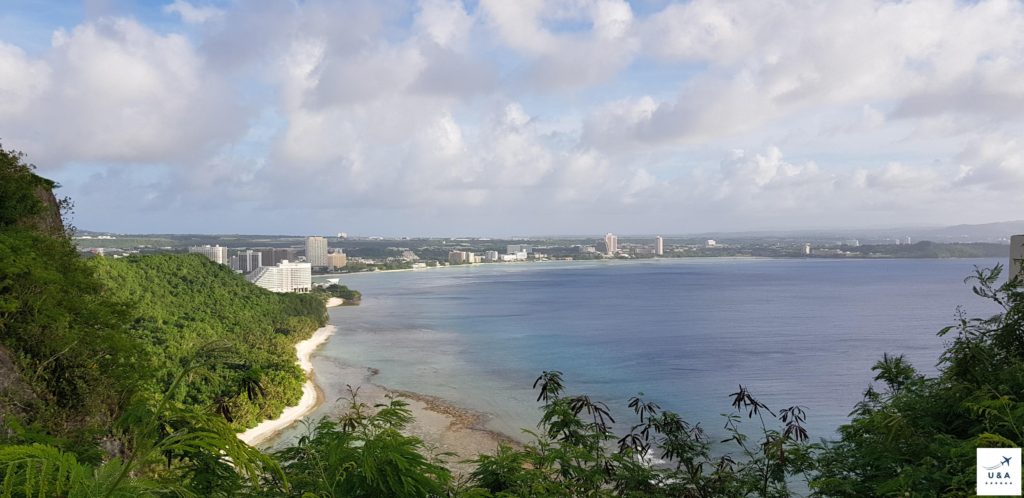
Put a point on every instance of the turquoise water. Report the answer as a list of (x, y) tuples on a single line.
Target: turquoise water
[(685, 332)]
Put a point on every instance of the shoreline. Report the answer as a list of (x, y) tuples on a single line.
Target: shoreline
[(312, 396), (663, 258), (443, 426)]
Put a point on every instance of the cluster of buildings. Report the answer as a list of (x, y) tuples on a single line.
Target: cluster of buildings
[(278, 269), (513, 252), (320, 257), (607, 247)]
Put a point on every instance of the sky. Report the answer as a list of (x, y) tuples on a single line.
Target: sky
[(526, 117)]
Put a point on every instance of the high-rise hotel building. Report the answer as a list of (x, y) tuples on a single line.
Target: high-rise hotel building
[(316, 251), (611, 244), (285, 277), (659, 246), (247, 261), (217, 254)]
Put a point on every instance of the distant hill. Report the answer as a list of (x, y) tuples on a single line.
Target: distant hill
[(997, 232), (987, 232)]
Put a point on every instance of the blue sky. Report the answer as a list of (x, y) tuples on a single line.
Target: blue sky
[(442, 117)]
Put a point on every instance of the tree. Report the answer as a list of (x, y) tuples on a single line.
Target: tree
[(172, 450), (573, 454), (363, 454)]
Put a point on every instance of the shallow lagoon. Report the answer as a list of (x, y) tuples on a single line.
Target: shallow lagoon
[(686, 332)]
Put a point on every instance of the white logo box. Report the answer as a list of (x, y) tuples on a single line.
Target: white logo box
[(999, 472)]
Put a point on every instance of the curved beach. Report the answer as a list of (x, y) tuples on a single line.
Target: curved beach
[(311, 396), (442, 425)]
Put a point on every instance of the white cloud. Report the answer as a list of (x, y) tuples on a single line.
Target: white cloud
[(901, 110), (23, 82), (445, 22), (565, 60), (125, 94), (993, 163), (770, 60)]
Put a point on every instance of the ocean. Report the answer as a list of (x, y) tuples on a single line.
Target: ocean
[(685, 332)]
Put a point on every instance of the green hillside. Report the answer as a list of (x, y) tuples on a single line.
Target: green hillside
[(182, 302)]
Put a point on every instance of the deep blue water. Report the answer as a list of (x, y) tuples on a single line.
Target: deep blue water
[(685, 332)]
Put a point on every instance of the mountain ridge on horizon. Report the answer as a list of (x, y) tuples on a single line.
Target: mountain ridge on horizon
[(963, 232)]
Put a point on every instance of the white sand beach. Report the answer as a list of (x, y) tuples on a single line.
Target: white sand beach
[(311, 396), (443, 426)]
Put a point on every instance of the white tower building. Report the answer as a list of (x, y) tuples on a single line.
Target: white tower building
[(217, 254), (611, 243), (285, 277)]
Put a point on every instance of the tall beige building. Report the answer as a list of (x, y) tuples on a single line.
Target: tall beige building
[(659, 246), (611, 243), (217, 254), (316, 251), (337, 260)]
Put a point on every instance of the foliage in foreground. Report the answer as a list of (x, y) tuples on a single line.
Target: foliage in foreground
[(170, 451), (575, 452), (365, 453), (67, 363), (919, 434)]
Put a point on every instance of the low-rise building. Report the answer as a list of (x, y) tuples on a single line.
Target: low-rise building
[(337, 260), (462, 257)]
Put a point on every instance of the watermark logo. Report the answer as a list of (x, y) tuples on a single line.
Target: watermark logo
[(999, 472)]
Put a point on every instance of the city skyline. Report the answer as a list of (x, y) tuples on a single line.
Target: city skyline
[(443, 116)]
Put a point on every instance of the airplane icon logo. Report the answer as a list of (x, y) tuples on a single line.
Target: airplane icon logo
[(1005, 462)]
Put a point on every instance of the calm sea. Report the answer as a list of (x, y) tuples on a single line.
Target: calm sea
[(684, 332)]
